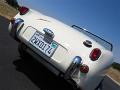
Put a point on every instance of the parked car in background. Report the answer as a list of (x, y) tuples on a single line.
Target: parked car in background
[(73, 53)]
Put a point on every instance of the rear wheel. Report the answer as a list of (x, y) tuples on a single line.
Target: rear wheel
[(22, 51), (74, 85)]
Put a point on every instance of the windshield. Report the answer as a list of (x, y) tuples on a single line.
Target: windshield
[(101, 41)]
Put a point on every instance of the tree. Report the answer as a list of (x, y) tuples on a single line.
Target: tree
[(13, 3)]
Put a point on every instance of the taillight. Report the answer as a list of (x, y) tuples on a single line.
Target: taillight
[(23, 10), (84, 68), (95, 54)]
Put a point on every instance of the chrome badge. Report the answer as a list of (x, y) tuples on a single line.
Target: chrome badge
[(48, 32)]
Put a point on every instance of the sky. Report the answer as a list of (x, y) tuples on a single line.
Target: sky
[(101, 17)]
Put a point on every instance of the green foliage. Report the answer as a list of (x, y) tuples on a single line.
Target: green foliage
[(116, 66), (13, 3)]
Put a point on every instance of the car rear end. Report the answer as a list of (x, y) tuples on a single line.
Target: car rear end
[(27, 27), (68, 52)]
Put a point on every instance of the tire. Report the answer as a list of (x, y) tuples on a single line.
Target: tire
[(74, 85), (22, 51)]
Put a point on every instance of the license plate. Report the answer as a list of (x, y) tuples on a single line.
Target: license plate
[(37, 41)]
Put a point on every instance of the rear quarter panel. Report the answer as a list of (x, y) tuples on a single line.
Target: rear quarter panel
[(97, 71)]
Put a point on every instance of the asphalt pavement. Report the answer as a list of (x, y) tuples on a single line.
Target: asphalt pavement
[(109, 84), (28, 74)]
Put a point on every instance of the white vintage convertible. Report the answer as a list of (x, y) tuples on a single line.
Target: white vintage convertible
[(73, 53)]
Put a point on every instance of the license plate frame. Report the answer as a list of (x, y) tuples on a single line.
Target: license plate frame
[(37, 40)]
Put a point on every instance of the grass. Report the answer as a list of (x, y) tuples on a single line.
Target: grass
[(6, 10), (114, 73), (116, 66)]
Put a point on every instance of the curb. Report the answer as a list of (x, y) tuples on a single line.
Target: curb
[(113, 80)]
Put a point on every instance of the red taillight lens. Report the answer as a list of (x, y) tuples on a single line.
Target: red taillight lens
[(95, 54), (23, 10), (84, 68)]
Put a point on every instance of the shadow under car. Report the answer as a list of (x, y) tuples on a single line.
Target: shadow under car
[(40, 75)]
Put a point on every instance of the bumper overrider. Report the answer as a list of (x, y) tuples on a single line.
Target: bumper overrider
[(15, 26), (73, 70)]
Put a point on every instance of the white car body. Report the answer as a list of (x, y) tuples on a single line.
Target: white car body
[(69, 44)]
